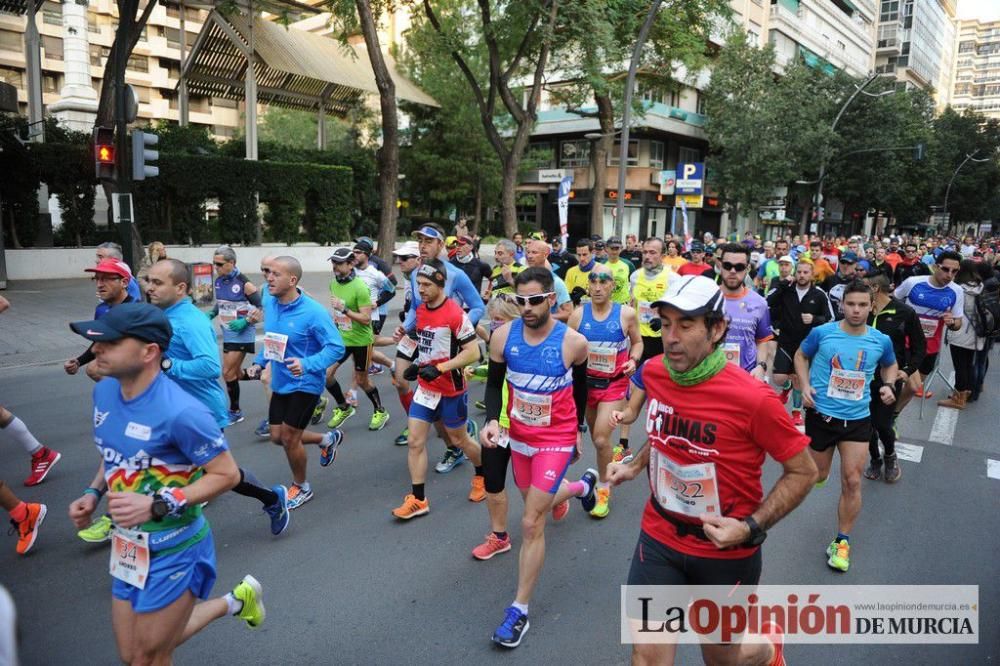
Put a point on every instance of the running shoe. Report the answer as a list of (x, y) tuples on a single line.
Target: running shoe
[(250, 592), (797, 419), (99, 530), (328, 449), (589, 500), (775, 635), (403, 438), (27, 529), (874, 470), (379, 419), (280, 516), (892, 470), (297, 496), (839, 553), (560, 510), (821, 483), (621, 454), (319, 410), (472, 428), (480, 405), (603, 506), (263, 429), (920, 393), (375, 369), (510, 632), (235, 416), (452, 459), (493, 545), (477, 490), (41, 464), (340, 415), (411, 508)]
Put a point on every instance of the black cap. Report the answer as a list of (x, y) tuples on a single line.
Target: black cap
[(614, 241), (434, 271), (128, 320), (341, 255), (697, 246), (363, 245)]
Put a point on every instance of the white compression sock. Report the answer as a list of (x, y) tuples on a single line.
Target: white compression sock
[(234, 604), (20, 434)]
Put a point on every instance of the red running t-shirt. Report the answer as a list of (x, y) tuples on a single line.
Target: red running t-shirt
[(731, 421), (441, 332)]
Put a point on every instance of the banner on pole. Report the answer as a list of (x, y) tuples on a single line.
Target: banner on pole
[(565, 185)]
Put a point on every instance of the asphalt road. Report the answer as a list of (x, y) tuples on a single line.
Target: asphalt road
[(348, 585)]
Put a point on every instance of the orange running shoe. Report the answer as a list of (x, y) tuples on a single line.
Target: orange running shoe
[(27, 529), (560, 510), (493, 545), (411, 508), (775, 635), (477, 493)]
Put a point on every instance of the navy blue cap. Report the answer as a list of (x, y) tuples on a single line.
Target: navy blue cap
[(128, 320), (849, 258)]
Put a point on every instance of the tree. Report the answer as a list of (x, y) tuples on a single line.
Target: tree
[(596, 39), (955, 137), (298, 129), (512, 36)]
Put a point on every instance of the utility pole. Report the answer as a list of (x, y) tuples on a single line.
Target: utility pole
[(123, 185)]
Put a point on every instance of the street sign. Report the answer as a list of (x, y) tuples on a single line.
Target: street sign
[(551, 175), (691, 178), (667, 180), (691, 200)]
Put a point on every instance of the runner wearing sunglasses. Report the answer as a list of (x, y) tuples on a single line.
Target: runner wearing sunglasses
[(749, 339), (614, 348)]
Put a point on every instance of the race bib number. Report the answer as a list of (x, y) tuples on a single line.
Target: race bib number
[(732, 352), (274, 346), (846, 385), (690, 490), (531, 409), (645, 312), (929, 325), (425, 398), (503, 438), (601, 359), (407, 346), (342, 321), (230, 311), (130, 556)]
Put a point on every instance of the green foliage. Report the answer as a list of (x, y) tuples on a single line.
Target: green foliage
[(295, 128), (976, 186)]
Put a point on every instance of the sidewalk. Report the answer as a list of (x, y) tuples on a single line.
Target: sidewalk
[(35, 330)]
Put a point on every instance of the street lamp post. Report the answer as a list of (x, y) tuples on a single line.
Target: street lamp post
[(970, 157), (627, 112)]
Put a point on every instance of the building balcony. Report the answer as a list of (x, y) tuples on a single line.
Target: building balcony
[(854, 61)]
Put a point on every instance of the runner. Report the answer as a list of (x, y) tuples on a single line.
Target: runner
[(939, 303), (352, 310), (834, 285), (673, 259), (446, 343), (382, 288), (191, 360), (901, 323), (576, 277), (505, 267), (797, 307), (910, 265), (301, 342), (835, 365), (822, 268), (698, 265), (110, 250), (256, 316), (544, 364), (749, 339), (235, 298), (518, 251), (112, 276), (620, 269), (560, 260), (614, 351), (408, 256), (162, 456), (536, 253), (699, 432), (467, 262)]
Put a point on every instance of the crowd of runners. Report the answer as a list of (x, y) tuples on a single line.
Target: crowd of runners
[(725, 352)]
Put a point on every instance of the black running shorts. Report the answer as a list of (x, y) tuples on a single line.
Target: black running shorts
[(826, 431), (294, 409)]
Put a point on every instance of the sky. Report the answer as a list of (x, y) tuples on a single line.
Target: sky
[(984, 10)]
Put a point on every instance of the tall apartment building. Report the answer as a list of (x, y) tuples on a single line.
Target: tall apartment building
[(153, 69), (831, 34), (916, 44), (977, 68)]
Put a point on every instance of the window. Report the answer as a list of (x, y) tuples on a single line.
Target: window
[(138, 63), (142, 93), (687, 155), (173, 36), (656, 153), (574, 153), (632, 155), (11, 76), (50, 83), (10, 41), (700, 106), (52, 13), (92, 25), (53, 47), (675, 98), (540, 155)]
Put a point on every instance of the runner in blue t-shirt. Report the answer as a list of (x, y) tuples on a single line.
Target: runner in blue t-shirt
[(162, 456), (835, 365)]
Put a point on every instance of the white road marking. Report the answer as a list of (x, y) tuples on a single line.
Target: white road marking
[(945, 422), (993, 468), (910, 452)]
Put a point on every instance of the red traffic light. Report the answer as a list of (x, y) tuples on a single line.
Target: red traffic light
[(105, 153)]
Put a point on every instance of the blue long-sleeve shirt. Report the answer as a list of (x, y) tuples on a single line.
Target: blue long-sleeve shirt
[(311, 337), (456, 282), (194, 358)]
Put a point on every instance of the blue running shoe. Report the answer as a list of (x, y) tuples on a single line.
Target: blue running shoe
[(510, 632), (452, 459), (280, 516), (589, 500), (328, 449), (235, 417), (263, 429), (472, 428), (297, 496)]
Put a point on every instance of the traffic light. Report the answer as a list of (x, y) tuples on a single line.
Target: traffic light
[(104, 153), (141, 155)]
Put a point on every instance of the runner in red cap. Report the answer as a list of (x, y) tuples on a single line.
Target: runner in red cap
[(112, 277)]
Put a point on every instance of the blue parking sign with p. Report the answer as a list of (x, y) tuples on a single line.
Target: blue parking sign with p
[(690, 178)]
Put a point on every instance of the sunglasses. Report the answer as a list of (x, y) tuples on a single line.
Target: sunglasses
[(219, 264), (739, 268), (600, 278), (949, 271), (537, 299), (265, 271)]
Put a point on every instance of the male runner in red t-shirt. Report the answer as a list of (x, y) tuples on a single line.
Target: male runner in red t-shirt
[(700, 432)]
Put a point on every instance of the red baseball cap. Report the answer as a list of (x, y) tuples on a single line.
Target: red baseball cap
[(112, 266)]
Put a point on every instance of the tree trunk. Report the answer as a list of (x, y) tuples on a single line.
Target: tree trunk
[(478, 209), (388, 154), (599, 150), (508, 196)]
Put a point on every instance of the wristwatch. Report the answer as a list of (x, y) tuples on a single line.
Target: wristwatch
[(757, 535), (166, 364), (160, 508), (762, 364)]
